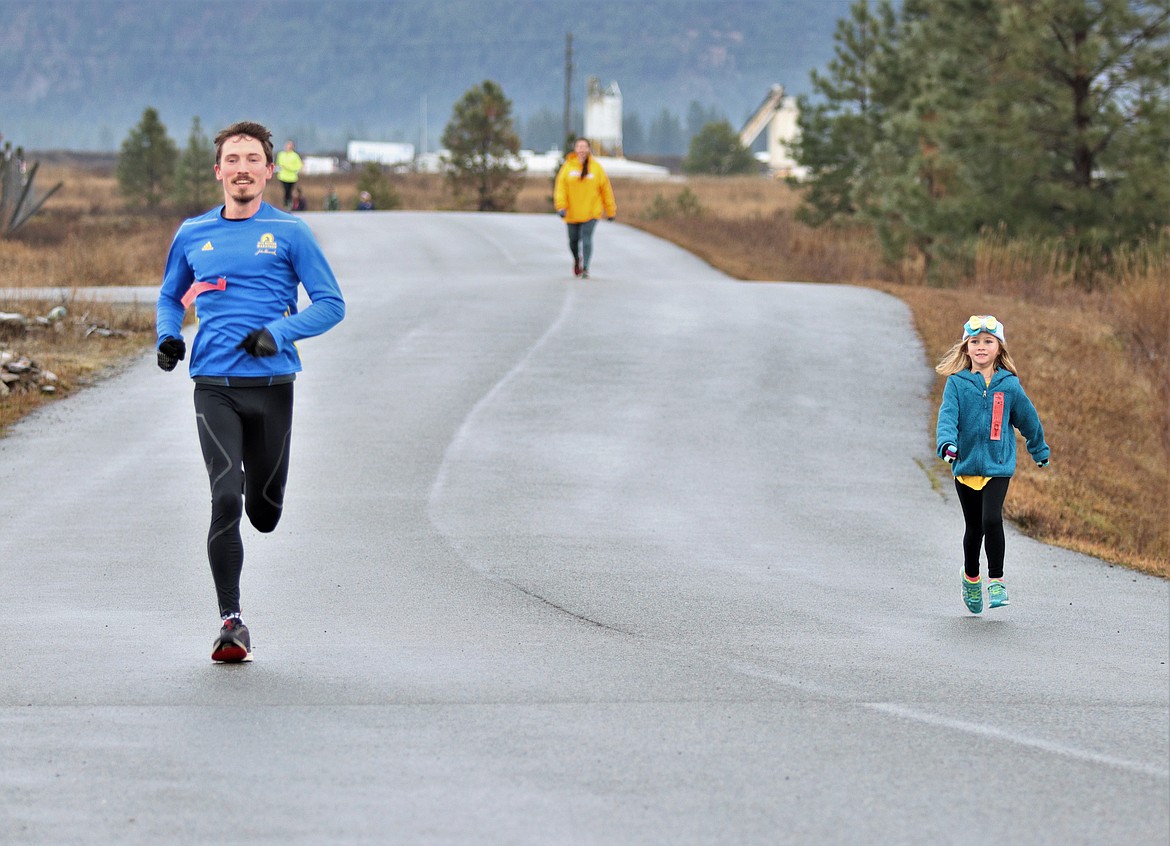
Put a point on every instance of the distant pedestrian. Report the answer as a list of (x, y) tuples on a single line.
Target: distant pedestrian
[(983, 401), (298, 200), (332, 200), (288, 169), (581, 196), (241, 265), (365, 201)]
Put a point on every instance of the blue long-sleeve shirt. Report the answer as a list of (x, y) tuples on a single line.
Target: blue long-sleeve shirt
[(243, 275), (980, 419)]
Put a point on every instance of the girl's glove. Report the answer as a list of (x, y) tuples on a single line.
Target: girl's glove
[(950, 453)]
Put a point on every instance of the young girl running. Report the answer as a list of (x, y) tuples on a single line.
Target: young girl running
[(982, 401)]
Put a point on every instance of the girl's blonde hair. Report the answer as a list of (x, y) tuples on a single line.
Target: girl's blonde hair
[(957, 360)]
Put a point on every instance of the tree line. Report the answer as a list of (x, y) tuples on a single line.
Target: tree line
[(481, 158), (152, 170), (665, 134), (938, 120)]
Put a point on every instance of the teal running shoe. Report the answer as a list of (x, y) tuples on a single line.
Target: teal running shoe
[(996, 594), (973, 594)]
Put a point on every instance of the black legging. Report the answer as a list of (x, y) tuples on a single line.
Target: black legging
[(983, 514), (244, 434)]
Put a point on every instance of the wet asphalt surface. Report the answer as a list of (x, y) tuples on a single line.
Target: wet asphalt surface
[(654, 557)]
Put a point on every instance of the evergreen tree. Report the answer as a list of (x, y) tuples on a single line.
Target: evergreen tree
[(482, 148), (665, 138), (146, 164), (195, 187), (1081, 100), (698, 117), (943, 118), (633, 135), (840, 129), (717, 150), (931, 157), (374, 180)]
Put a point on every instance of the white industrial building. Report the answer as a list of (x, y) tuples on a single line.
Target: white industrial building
[(779, 116), (603, 117)]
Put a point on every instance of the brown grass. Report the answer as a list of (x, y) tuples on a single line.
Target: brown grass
[(71, 350), (1094, 363)]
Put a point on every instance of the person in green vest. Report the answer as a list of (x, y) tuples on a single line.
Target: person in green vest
[(288, 168)]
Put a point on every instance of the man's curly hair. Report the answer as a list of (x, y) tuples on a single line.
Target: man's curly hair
[(252, 130)]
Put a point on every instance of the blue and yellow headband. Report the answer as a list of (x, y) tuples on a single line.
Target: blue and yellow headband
[(983, 323)]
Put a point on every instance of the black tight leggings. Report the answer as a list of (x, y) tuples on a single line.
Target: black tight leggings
[(983, 514), (244, 434)]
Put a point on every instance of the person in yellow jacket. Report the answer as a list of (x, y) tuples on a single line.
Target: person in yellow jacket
[(582, 195), (288, 168)]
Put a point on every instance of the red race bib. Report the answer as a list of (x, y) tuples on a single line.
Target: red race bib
[(997, 416)]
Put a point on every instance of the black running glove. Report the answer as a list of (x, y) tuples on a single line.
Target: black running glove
[(170, 352), (258, 342)]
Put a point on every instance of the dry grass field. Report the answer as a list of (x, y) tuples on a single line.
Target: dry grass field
[(1094, 363)]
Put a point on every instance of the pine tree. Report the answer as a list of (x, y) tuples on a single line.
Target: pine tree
[(716, 149), (1038, 118), (1082, 104), (929, 161), (665, 137), (146, 164), (195, 186), (482, 149), (840, 129), (374, 180), (633, 135), (699, 116)]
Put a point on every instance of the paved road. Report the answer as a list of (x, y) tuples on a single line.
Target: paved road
[(654, 558)]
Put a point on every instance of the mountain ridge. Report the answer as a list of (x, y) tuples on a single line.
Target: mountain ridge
[(77, 75)]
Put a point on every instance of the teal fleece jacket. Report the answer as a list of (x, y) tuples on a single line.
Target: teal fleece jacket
[(972, 414)]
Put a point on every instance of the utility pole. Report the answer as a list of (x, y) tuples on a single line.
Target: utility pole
[(568, 125), (422, 121)]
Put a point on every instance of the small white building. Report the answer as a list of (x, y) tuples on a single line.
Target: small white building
[(382, 152), (319, 165), (547, 164)]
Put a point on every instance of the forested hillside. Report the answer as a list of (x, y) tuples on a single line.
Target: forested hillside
[(77, 74)]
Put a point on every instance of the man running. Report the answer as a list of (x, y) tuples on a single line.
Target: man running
[(241, 264)]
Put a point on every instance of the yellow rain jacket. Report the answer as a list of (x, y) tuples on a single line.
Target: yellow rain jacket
[(583, 199), (289, 164)]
